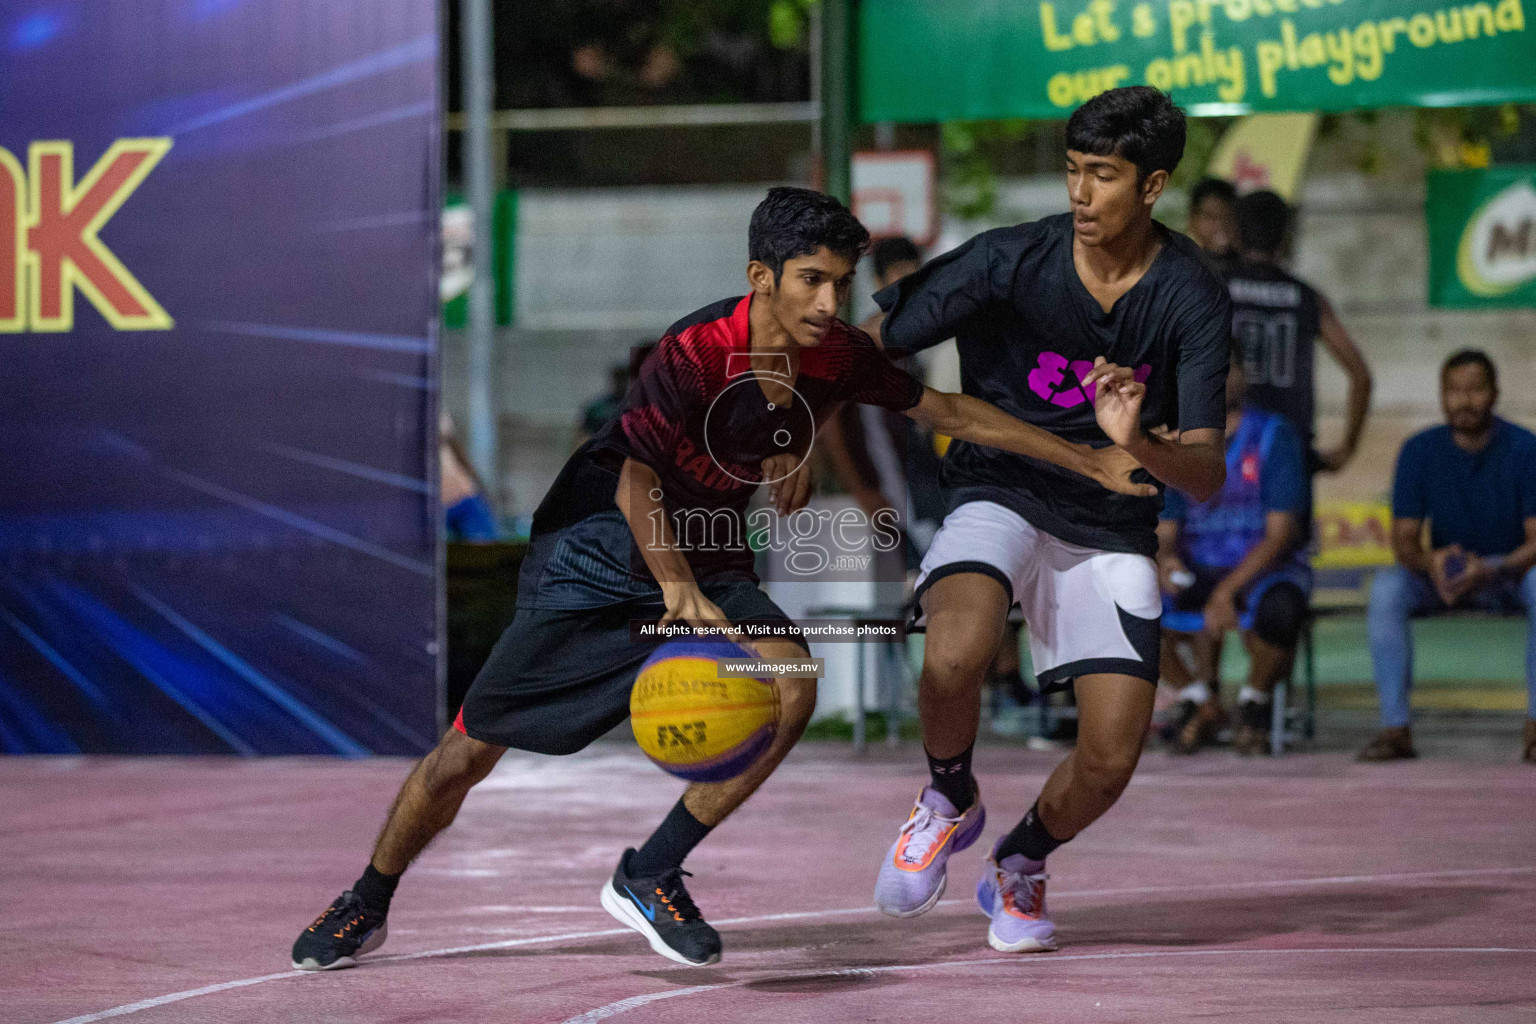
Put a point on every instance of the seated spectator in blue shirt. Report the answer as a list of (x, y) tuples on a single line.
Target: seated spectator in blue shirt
[(1236, 562), (1474, 480), (465, 507)]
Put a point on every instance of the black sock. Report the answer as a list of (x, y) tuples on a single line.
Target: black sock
[(952, 777), (376, 888), (1029, 837), (673, 840)]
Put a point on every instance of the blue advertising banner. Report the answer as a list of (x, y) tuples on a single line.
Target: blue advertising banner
[(218, 411)]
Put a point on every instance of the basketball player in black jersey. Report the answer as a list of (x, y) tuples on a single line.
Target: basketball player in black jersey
[(1039, 311)]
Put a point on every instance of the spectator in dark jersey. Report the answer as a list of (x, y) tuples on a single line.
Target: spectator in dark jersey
[(645, 522), (1278, 318), (1213, 219), (1473, 480), (1237, 562), (1038, 311)]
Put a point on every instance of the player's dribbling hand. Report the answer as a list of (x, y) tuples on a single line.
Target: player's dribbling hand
[(1116, 400), (790, 481), (686, 603), (1112, 468)]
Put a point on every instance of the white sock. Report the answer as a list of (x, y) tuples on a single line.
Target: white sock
[(1248, 695), (1199, 692)]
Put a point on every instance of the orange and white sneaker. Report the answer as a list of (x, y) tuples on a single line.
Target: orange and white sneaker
[(1012, 894), (912, 876)]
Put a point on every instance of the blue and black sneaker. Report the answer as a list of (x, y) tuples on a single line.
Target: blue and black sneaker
[(661, 909), (348, 929)]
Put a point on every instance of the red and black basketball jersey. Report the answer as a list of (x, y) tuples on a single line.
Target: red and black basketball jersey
[(699, 418)]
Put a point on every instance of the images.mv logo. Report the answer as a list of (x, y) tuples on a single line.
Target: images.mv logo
[(48, 237)]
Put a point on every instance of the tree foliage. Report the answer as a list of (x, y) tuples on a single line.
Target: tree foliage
[(623, 52)]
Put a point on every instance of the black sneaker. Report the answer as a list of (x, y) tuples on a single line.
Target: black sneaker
[(661, 909), (348, 929)]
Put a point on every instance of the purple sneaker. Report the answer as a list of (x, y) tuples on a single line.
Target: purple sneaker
[(912, 876), (1012, 894)]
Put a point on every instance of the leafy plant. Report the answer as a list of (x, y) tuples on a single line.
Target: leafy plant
[(969, 152)]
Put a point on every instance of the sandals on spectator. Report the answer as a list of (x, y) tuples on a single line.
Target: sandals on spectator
[(1198, 729), (1389, 745)]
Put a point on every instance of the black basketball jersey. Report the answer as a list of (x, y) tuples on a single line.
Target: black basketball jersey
[(1276, 318), (1028, 331)]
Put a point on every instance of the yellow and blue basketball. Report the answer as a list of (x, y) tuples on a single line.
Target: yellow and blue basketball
[(693, 723)]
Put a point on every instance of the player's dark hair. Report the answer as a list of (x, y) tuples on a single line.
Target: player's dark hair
[(1139, 123), (890, 251), (1212, 188), (1262, 221), (793, 222), (1466, 357)]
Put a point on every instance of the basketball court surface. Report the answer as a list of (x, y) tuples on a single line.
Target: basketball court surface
[(1305, 888)]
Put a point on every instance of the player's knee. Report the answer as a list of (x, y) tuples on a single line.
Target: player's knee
[(797, 702), (459, 762), (952, 667), (1106, 771)]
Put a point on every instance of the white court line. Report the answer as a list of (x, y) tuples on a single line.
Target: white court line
[(1017, 959), (176, 997)]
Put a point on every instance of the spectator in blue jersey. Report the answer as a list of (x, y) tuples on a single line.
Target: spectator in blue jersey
[(1237, 562), (1474, 480), (465, 507)]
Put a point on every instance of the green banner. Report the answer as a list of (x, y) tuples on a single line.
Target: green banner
[(944, 60), (1482, 237)]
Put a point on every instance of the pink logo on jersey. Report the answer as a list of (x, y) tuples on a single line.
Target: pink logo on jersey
[(1049, 379)]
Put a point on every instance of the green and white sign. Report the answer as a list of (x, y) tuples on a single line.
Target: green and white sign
[(458, 244), (1482, 237), (944, 60)]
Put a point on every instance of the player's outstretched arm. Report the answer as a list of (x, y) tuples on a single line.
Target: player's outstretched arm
[(1194, 461), (971, 419)]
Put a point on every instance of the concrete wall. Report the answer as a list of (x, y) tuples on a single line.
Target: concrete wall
[(1365, 247)]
